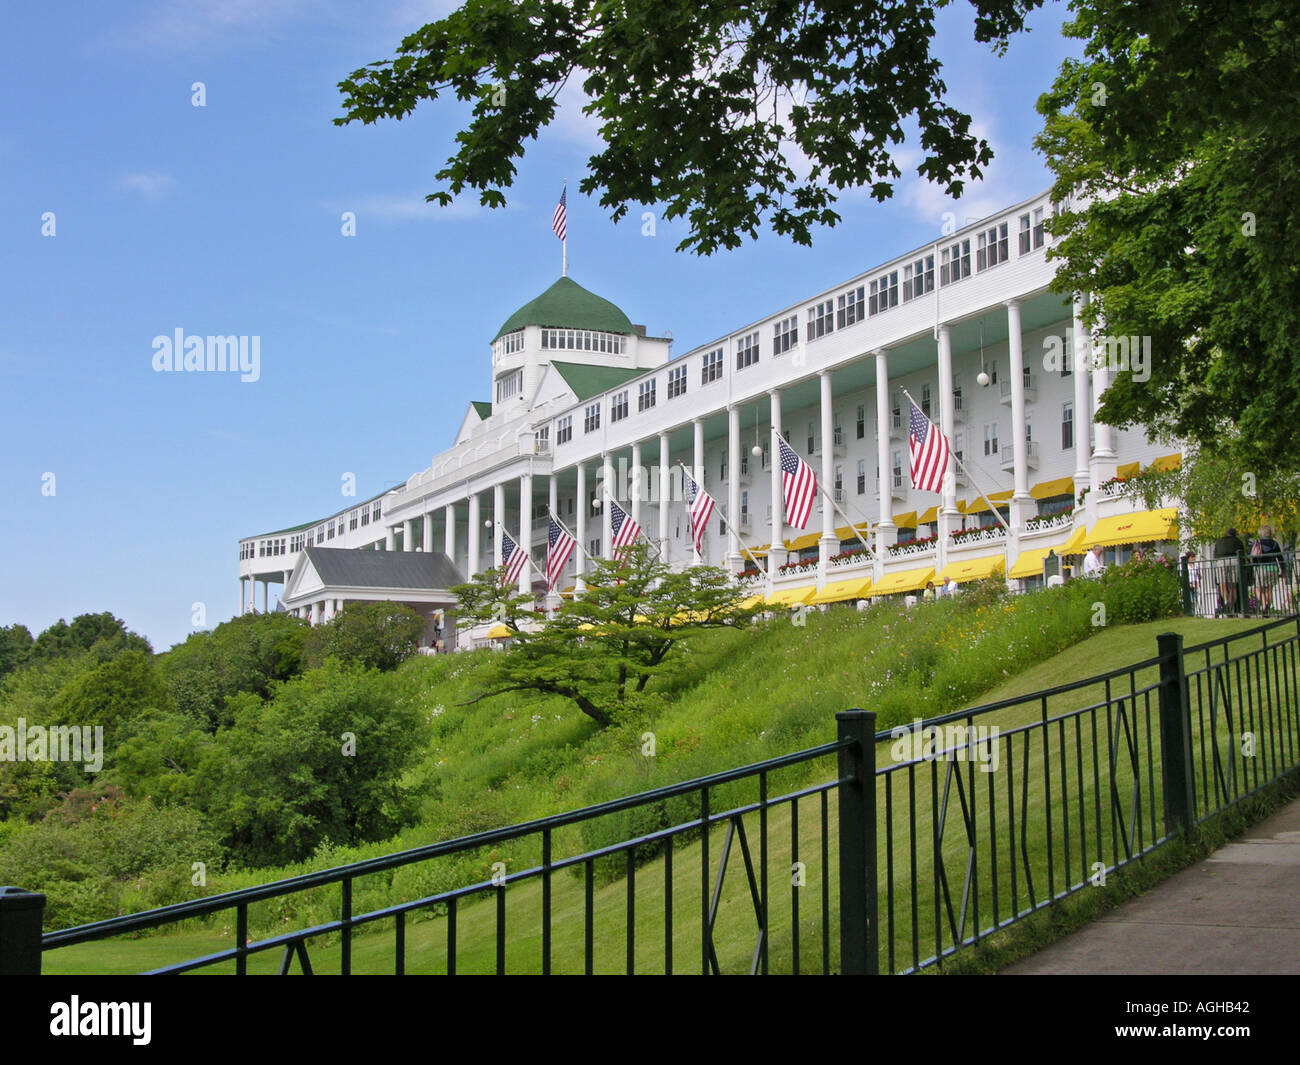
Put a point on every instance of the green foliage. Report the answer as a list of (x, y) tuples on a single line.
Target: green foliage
[(1141, 591), (246, 654), (1173, 143), (112, 695), (322, 760), (602, 650), (15, 648), (104, 635), (701, 105), (372, 635)]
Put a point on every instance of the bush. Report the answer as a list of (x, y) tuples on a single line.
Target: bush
[(1141, 591)]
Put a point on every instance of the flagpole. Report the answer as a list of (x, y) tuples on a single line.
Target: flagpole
[(564, 244), (739, 535), (963, 465), (609, 498), (852, 525), (528, 554)]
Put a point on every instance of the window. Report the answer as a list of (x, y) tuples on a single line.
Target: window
[(744, 508), (785, 334), (711, 368), (1067, 426), (991, 439), (839, 430), (1038, 227), (956, 393), (992, 247), (1024, 234), (1029, 426), (744, 462), (591, 418), (747, 351), (593, 548), (645, 398), (584, 340), (1029, 380), (571, 506), (862, 477), (898, 469), (896, 414), (820, 319), (723, 464), (617, 407), (850, 307), (677, 382), (918, 278), (375, 510), (839, 484), (954, 262), (330, 527), (365, 515), (510, 385), (543, 439), (564, 430), (959, 445), (884, 293), (862, 421), (925, 400), (812, 438), (767, 454), (511, 343)]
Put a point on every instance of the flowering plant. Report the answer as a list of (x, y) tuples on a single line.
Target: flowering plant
[(919, 544)]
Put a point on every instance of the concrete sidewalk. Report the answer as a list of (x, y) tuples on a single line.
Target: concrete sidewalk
[(1237, 912)]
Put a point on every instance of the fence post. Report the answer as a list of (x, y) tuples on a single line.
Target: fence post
[(1185, 580), (1243, 600), (1175, 737), (21, 913), (859, 955)]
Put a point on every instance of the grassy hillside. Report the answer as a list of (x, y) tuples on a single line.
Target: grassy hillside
[(739, 697)]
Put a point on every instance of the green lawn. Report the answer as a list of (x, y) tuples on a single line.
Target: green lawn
[(1067, 744)]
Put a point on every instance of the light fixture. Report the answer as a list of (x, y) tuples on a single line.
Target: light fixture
[(982, 377), (757, 449), (487, 523)]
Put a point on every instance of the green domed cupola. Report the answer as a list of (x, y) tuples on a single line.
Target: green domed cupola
[(568, 305)]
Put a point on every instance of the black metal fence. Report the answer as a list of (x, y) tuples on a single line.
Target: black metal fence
[(930, 837), (1244, 586)]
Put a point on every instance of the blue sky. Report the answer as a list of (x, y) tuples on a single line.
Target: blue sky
[(225, 219)]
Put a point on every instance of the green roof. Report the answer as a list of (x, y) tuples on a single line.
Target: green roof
[(588, 381), (567, 304), (484, 409)]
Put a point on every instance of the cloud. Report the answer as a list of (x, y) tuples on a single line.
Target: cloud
[(151, 184), (181, 25), (410, 207)]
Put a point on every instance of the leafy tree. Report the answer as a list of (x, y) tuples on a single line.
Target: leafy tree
[(604, 649), (15, 647), (1174, 143), (112, 695), (373, 635), (103, 634), (246, 654), (323, 760), (703, 105)]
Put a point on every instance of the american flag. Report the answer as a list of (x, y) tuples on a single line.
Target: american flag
[(699, 508), (928, 448), (559, 546), (515, 559), (623, 531), (559, 222), (800, 485)]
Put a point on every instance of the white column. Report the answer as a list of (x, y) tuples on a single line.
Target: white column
[(1103, 464), (390, 538), (408, 535), (553, 499), (498, 522), (1022, 503), (697, 460), (580, 507), (472, 562), (733, 489), (948, 516), (665, 490), (315, 613), (427, 527), (266, 596), (776, 549), (605, 493), (241, 595), (637, 486), (526, 530), (825, 546), (252, 595), (449, 534), (1082, 403), (887, 532)]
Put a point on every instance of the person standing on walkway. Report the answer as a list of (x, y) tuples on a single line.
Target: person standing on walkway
[(1266, 560), (1093, 563), (1226, 549)]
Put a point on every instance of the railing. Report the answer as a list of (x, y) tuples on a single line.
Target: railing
[(1244, 586), (976, 820), (962, 537), (1064, 520)]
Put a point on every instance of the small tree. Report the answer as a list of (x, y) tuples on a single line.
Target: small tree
[(375, 635), (604, 650)]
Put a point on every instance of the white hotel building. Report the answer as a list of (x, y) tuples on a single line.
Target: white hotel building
[(580, 395)]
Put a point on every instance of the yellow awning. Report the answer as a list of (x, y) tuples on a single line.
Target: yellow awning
[(930, 516), (1030, 563), (1167, 462), (846, 532), (755, 552), (501, 632), (1129, 469), (1134, 528), (906, 521), (1062, 486), (978, 506), (791, 596), (567, 593), (910, 580), (1074, 543), (753, 600), (806, 540), (838, 591), (973, 569)]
